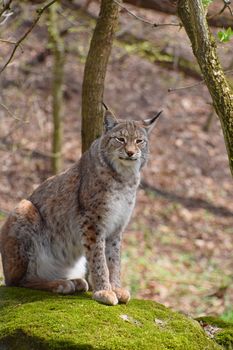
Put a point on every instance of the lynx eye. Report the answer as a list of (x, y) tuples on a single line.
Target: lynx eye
[(120, 139), (138, 141)]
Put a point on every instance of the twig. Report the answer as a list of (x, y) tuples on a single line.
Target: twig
[(6, 7), (39, 13), (186, 87), (73, 22), (14, 126), (227, 4), (6, 15), (8, 41), (153, 24), (227, 72), (9, 112)]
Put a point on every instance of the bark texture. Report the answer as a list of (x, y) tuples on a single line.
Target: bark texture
[(57, 47), (192, 15), (95, 72)]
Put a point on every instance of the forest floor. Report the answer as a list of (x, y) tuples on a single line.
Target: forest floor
[(178, 246)]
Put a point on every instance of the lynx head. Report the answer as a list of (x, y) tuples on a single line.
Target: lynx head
[(124, 144)]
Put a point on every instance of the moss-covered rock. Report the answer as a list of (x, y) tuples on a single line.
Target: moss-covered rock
[(222, 330), (33, 320)]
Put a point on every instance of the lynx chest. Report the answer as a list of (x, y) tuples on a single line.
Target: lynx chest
[(119, 209)]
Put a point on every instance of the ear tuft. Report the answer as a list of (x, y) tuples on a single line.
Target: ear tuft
[(150, 123), (109, 120)]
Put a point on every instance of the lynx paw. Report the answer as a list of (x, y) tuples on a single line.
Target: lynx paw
[(106, 297), (123, 295), (80, 284), (64, 287)]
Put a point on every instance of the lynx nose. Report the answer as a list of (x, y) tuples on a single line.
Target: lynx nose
[(130, 153)]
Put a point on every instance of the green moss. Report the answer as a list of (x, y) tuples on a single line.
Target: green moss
[(215, 321), (34, 320), (224, 336)]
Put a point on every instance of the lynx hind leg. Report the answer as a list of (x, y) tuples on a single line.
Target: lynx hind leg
[(56, 286), (80, 284), (59, 286), (15, 241), (14, 264)]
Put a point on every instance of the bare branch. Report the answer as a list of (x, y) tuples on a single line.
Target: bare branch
[(226, 5), (153, 24), (6, 12), (5, 7), (170, 7), (9, 111), (39, 13), (8, 41), (6, 17), (227, 72), (186, 87), (11, 42)]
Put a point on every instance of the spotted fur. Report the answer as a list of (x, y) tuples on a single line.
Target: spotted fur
[(79, 216)]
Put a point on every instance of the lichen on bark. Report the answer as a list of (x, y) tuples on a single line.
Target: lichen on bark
[(95, 72), (193, 17)]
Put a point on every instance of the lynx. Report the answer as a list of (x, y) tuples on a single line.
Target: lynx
[(76, 219)]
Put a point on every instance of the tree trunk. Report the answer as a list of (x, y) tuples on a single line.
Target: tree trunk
[(57, 47), (192, 15), (95, 72)]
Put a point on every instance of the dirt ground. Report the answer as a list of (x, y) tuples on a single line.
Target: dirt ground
[(178, 247)]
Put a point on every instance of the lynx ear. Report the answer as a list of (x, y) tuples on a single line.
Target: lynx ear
[(150, 123), (109, 120)]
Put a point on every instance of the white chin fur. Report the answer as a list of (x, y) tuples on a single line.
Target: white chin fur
[(129, 167), (79, 269), (127, 162)]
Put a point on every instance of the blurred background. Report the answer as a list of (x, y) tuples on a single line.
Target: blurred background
[(178, 246)]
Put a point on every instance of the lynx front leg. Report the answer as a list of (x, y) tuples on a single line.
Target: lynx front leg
[(113, 256), (94, 246)]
